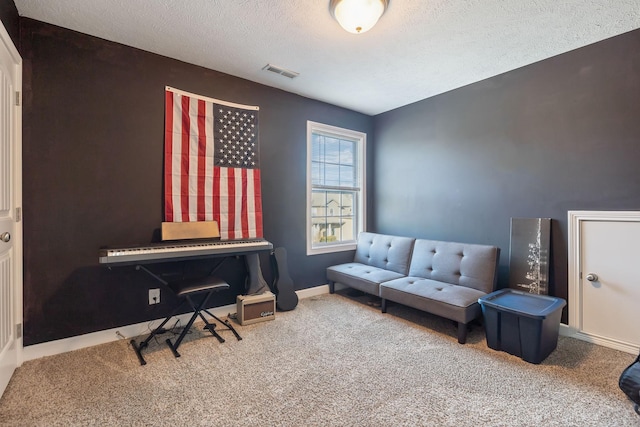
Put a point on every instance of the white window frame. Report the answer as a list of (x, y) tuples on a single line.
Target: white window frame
[(360, 139)]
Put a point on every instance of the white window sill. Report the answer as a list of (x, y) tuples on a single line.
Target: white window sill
[(331, 249)]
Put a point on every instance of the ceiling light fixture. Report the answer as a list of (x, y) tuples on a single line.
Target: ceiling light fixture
[(357, 16)]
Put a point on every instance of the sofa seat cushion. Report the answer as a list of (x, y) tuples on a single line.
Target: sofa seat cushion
[(454, 302), (365, 278)]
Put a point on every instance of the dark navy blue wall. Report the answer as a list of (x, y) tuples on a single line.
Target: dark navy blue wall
[(93, 155), (562, 134), (10, 19), (558, 135)]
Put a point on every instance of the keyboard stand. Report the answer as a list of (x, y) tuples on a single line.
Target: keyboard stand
[(197, 293)]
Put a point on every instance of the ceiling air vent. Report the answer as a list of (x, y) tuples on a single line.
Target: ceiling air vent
[(281, 71)]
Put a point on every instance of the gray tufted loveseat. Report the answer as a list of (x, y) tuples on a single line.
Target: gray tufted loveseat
[(442, 278)]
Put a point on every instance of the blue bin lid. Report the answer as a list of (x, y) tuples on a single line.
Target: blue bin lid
[(518, 302)]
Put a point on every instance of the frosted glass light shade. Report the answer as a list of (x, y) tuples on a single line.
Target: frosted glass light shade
[(357, 16)]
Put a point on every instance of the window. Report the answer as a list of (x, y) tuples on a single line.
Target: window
[(335, 188)]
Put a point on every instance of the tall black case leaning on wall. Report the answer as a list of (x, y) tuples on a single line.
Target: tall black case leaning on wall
[(286, 297), (630, 383)]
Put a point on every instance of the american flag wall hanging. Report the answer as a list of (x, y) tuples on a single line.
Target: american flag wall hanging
[(211, 164)]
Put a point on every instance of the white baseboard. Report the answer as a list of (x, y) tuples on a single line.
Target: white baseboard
[(567, 331), (52, 348), (101, 337), (312, 292)]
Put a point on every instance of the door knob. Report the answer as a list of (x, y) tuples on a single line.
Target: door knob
[(5, 237), (592, 277)]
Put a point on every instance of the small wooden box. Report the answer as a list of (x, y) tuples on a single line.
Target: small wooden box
[(256, 308), (190, 230)]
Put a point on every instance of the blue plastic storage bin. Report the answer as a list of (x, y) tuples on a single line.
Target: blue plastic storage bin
[(525, 325)]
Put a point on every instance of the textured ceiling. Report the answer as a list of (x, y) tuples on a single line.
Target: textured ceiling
[(418, 49)]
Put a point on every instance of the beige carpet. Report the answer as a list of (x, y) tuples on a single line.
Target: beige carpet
[(333, 361)]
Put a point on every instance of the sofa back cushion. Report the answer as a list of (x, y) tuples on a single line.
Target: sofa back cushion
[(473, 266), (389, 252)]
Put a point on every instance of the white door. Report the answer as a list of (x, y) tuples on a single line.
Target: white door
[(10, 199), (606, 294)]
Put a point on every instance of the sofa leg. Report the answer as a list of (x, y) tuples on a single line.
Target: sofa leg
[(383, 305), (462, 332)]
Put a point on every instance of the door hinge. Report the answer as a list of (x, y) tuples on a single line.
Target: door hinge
[(17, 98), (18, 214), (19, 331)]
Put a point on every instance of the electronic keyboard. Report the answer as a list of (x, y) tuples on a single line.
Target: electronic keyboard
[(178, 250)]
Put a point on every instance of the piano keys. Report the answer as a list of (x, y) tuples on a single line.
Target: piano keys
[(181, 250)]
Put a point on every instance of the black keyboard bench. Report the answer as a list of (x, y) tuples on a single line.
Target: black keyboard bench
[(195, 292)]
